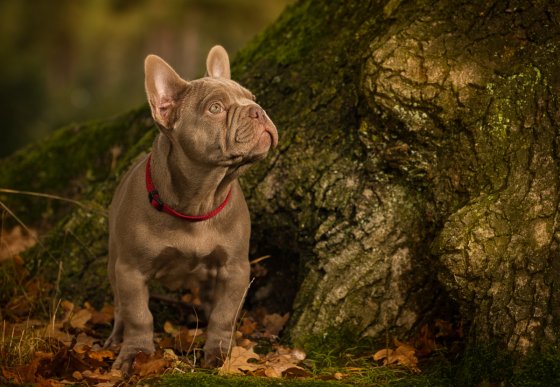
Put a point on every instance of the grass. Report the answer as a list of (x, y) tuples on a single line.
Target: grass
[(18, 344)]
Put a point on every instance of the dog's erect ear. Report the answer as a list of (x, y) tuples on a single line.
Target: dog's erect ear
[(217, 63), (165, 90)]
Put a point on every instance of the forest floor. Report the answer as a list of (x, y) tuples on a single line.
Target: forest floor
[(53, 342)]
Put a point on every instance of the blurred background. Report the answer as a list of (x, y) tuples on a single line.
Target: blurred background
[(67, 61)]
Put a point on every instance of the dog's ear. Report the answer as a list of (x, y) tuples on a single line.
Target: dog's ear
[(217, 63), (165, 90)]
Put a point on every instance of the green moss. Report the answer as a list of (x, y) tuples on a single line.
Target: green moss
[(81, 162), (335, 345), (198, 379), (539, 369), (69, 163)]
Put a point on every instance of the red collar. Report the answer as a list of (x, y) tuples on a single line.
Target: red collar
[(158, 204)]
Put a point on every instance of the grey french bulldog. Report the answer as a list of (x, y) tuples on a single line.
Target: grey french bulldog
[(179, 214)]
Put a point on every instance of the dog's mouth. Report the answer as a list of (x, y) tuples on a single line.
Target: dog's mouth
[(266, 138), (269, 136)]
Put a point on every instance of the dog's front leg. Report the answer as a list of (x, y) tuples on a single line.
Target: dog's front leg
[(133, 294), (232, 281)]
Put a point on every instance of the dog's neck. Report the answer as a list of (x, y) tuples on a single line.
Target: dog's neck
[(186, 186)]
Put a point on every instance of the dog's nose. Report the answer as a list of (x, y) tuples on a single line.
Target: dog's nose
[(255, 112)]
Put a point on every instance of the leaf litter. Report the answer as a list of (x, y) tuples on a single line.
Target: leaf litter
[(69, 349)]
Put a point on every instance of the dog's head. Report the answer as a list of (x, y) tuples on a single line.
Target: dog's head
[(213, 120)]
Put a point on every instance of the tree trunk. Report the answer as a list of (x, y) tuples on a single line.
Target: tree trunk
[(417, 169)]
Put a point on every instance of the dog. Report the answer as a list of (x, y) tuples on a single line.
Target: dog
[(179, 214)]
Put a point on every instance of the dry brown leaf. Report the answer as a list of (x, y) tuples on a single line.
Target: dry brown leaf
[(404, 355), (382, 354), (102, 317), (272, 372), (284, 359), (53, 332), (83, 343), (246, 343), (97, 376), (169, 328), (79, 319), (101, 354), (77, 375), (247, 326), (67, 306), (274, 323), (338, 375), (145, 364), (193, 297), (183, 341), (296, 372), (298, 354), (238, 362), (15, 241)]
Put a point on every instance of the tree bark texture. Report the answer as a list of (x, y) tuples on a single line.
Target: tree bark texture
[(417, 170), (419, 161)]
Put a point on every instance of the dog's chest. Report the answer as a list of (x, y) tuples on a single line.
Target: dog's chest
[(186, 259)]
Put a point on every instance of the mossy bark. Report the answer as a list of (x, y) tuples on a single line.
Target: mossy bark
[(417, 169)]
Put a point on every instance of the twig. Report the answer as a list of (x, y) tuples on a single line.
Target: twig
[(54, 197), (194, 338), (260, 259)]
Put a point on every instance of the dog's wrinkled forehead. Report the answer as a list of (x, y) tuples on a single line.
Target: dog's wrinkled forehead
[(220, 89)]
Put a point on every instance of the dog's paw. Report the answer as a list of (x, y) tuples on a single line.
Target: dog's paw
[(116, 337), (213, 358), (126, 358), (113, 341)]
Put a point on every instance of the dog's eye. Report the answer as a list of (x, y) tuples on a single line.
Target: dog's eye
[(215, 108)]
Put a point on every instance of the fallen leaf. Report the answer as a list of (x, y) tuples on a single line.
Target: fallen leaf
[(53, 332), (272, 372), (298, 354), (97, 376), (246, 343), (169, 328), (145, 364), (15, 241), (79, 319), (284, 359), (338, 376), (83, 343), (183, 341), (382, 354), (404, 355), (102, 317), (101, 354), (193, 297), (274, 323), (67, 306), (247, 326), (238, 362), (296, 372)]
